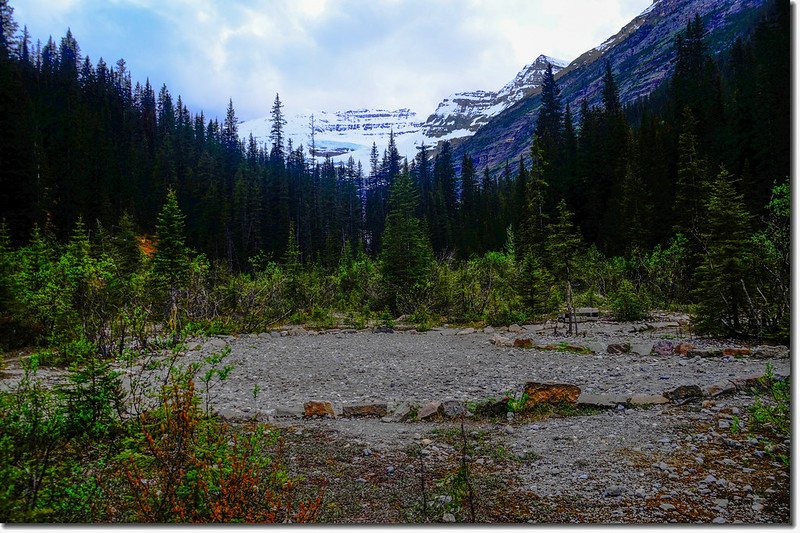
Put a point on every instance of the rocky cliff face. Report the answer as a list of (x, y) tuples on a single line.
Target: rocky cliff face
[(641, 55), (461, 114)]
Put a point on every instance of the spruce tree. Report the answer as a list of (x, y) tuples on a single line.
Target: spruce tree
[(406, 254), (171, 260), (722, 277)]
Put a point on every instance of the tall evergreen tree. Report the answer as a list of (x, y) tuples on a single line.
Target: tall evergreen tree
[(722, 277)]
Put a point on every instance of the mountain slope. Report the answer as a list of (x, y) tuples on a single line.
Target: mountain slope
[(641, 55), (350, 133)]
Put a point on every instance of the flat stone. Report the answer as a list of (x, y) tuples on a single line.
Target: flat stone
[(770, 352), (215, 343), (602, 401), (288, 412), (684, 392), (318, 408), (466, 331), (648, 399), (667, 507), (429, 410), (613, 492), (551, 393), (642, 348), (748, 381), (736, 352), (372, 409), (719, 388)]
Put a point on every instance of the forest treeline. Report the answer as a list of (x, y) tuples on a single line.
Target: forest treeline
[(119, 203)]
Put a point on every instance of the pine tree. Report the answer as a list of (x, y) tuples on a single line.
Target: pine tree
[(722, 277), (276, 132), (171, 260), (406, 254), (691, 184), (562, 247), (532, 230)]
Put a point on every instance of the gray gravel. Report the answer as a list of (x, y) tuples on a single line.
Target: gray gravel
[(362, 367)]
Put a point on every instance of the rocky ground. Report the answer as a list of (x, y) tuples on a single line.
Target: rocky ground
[(660, 432)]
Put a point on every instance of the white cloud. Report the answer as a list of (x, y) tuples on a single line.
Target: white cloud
[(329, 54)]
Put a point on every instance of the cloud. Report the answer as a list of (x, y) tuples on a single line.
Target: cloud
[(327, 54)]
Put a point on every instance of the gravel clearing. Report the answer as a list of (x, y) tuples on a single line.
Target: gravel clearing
[(364, 367)]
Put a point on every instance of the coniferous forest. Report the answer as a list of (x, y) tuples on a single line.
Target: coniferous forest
[(127, 215)]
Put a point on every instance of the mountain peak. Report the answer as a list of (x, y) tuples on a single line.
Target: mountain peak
[(543, 59)]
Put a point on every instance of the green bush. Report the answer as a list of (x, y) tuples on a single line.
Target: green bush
[(627, 303)]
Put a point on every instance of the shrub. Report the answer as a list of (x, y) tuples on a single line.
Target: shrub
[(627, 303)]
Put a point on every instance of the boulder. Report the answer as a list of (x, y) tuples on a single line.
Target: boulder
[(318, 408), (503, 342), (453, 408), (602, 401), (618, 348), (551, 393), (664, 347), (642, 348), (430, 410), (523, 343), (400, 413), (215, 343), (770, 352), (596, 347), (719, 388), (371, 409), (515, 328), (748, 381), (684, 392), (683, 348), (648, 399)]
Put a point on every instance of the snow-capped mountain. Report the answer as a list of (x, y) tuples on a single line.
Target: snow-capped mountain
[(345, 134), (469, 111)]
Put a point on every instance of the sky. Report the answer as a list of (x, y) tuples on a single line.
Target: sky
[(326, 54)]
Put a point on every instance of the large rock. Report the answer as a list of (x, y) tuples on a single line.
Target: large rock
[(642, 348), (371, 409), (453, 408), (466, 331), (770, 352), (401, 413), (719, 388), (430, 410), (515, 328), (602, 401), (664, 347), (523, 343), (552, 393), (503, 342), (683, 348), (319, 408), (684, 392)]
